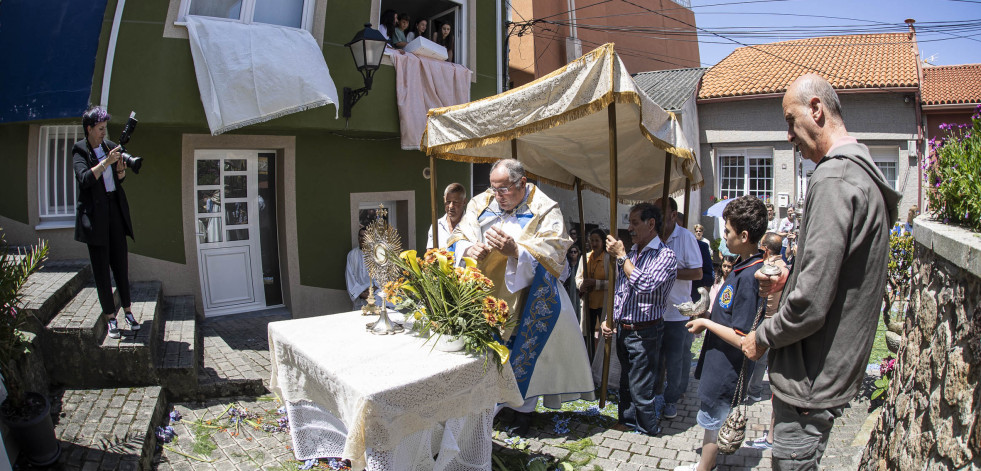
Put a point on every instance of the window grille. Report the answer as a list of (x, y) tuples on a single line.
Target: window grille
[(56, 179), (745, 172)]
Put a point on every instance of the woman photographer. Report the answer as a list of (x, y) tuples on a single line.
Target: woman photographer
[(102, 214)]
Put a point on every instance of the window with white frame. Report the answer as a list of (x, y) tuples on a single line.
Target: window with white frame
[(745, 172), (55, 177), (289, 13), (887, 159)]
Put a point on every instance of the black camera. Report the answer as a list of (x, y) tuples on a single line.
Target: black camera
[(131, 160)]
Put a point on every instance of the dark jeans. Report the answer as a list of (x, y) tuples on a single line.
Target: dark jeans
[(800, 436), (114, 256), (676, 360), (593, 321), (639, 352)]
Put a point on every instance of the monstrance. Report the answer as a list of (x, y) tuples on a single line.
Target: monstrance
[(382, 243)]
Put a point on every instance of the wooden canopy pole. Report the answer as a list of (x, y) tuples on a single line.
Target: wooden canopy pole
[(432, 199), (584, 310), (667, 183), (611, 273), (687, 202)]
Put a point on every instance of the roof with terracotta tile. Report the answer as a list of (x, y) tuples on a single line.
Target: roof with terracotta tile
[(850, 61), (952, 84)]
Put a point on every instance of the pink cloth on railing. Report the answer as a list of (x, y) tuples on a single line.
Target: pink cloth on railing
[(422, 83)]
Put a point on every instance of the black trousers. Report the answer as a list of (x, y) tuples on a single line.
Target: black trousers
[(113, 256)]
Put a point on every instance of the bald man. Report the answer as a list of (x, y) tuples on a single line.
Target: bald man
[(821, 336)]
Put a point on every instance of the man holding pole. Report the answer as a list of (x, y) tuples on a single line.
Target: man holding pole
[(644, 279)]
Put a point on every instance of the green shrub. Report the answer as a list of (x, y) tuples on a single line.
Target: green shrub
[(953, 174)]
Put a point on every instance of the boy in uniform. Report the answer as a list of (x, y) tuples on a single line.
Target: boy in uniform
[(733, 314)]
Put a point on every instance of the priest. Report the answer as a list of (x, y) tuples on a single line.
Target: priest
[(517, 235)]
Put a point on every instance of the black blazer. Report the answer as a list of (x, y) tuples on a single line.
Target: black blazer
[(92, 200)]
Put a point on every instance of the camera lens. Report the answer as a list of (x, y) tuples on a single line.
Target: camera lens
[(133, 162)]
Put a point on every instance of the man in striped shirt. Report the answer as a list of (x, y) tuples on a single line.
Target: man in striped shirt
[(645, 276)]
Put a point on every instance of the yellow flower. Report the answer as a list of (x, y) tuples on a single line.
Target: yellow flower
[(502, 352), (410, 256), (409, 288), (444, 263), (470, 262), (417, 315)]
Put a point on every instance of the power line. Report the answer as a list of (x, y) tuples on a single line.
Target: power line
[(806, 67)]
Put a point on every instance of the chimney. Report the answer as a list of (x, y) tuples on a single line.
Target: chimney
[(912, 29)]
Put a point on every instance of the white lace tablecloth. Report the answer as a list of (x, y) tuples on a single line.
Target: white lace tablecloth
[(376, 399)]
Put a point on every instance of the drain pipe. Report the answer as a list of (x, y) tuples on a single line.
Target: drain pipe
[(111, 53), (918, 110)]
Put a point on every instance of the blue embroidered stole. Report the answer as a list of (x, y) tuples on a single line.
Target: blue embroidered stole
[(538, 318)]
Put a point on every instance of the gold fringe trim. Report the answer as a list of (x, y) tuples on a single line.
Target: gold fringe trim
[(599, 51), (446, 151)]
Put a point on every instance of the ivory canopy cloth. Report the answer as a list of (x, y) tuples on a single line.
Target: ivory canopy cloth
[(385, 389), (560, 123), (250, 74), (422, 83)]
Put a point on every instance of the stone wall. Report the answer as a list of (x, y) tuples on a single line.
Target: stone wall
[(930, 419)]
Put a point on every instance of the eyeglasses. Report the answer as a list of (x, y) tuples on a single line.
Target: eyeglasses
[(503, 190)]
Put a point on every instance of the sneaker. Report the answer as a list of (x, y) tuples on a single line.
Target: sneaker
[(751, 399), (113, 329), (670, 411), (131, 322), (760, 443), (692, 467)]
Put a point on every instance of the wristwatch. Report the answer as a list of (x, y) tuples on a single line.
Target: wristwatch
[(621, 261)]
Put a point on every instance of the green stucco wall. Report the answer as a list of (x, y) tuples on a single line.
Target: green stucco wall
[(155, 194), (13, 160), (328, 170), (155, 76)]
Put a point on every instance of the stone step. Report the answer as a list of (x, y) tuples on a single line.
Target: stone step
[(224, 371), (176, 359), (79, 353), (111, 428), (51, 287)]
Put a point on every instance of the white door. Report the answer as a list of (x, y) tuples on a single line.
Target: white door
[(226, 192)]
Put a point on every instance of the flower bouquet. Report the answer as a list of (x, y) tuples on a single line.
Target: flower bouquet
[(451, 301)]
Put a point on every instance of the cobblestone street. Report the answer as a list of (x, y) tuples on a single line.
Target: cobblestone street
[(610, 449)]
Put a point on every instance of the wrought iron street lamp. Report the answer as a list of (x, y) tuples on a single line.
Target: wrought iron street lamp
[(367, 48)]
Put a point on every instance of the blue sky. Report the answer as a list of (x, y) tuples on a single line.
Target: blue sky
[(765, 21)]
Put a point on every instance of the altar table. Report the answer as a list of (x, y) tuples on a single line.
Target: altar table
[(386, 402)]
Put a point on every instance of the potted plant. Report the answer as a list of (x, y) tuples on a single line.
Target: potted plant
[(26, 413), (451, 303)]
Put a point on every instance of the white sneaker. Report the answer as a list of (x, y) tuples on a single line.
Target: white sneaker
[(113, 329), (692, 467), (131, 322)]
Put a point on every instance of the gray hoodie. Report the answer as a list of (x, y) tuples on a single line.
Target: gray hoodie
[(821, 337)]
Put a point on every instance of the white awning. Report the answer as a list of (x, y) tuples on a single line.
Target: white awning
[(560, 124)]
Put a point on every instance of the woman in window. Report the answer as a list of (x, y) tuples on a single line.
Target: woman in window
[(445, 38), (389, 28), (418, 31), (102, 214)]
